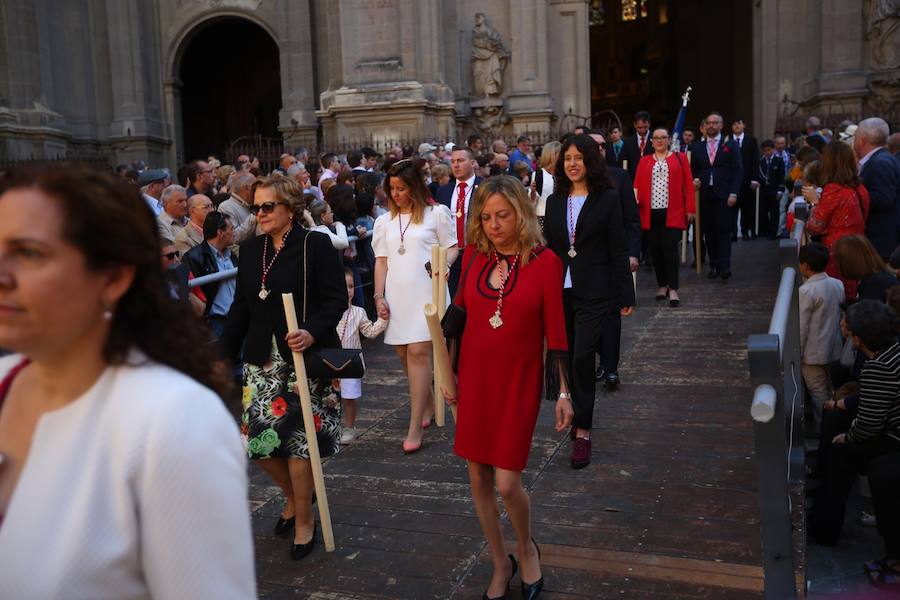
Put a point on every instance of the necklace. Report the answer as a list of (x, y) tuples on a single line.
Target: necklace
[(496, 320), (402, 250), (263, 292), (572, 252)]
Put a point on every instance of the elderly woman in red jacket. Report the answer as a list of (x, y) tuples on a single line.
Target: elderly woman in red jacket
[(664, 189), (843, 207)]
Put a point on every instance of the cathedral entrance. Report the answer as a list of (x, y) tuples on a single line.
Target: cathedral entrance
[(230, 87), (644, 53)]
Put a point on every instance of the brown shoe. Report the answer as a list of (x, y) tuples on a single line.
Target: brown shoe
[(581, 453)]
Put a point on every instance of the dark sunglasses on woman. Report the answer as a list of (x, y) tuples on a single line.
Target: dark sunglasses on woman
[(266, 207), (173, 255)]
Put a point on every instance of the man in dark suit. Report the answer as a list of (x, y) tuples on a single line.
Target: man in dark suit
[(611, 339), (210, 256), (771, 180), (637, 145), (717, 164), (880, 173), (747, 195), (457, 195)]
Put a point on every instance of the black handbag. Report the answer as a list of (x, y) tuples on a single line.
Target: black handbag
[(329, 363), (454, 322)]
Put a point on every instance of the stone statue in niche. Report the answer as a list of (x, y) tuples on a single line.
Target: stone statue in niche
[(489, 58), (489, 118), (883, 33)]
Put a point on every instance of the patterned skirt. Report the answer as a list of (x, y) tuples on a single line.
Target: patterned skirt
[(272, 422)]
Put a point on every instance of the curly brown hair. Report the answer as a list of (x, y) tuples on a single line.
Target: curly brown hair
[(108, 221)]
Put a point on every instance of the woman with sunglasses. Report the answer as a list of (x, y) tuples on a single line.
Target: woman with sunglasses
[(665, 196), (270, 265), (402, 242)]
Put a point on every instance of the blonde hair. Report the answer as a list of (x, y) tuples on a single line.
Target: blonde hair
[(439, 170), (326, 185), (528, 229), (549, 155), (286, 190), (409, 171)]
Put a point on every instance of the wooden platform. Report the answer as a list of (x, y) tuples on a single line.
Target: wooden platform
[(667, 509)]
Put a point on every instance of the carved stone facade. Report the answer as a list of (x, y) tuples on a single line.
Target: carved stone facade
[(835, 58), (82, 77)]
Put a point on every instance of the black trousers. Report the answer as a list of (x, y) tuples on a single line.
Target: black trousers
[(845, 463), (884, 481), (747, 204), (664, 249), (586, 323), (716, 219), (770, 212)]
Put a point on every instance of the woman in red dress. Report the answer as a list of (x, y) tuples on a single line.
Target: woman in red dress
[(511, 292), (843, 208)]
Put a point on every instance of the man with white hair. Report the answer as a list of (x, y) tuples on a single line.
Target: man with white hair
[(173, 217), (199, 205), (880, 173), (299, 174), (238, 207)]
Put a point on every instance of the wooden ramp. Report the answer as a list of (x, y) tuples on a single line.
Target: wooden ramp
[(667, 509)]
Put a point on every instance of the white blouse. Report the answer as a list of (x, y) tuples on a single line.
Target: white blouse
[(659, 185), (135, 490)]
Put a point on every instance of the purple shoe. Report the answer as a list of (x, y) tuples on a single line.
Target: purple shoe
[(581, 453)]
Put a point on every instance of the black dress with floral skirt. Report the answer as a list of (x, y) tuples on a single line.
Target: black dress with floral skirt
[(272, 422)]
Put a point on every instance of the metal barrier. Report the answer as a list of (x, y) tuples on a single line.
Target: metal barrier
[(230, 273), (777, 412)]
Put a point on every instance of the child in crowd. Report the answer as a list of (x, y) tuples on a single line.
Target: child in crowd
[(349, 327), (820, 334)]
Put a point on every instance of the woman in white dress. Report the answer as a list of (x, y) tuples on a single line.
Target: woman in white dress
[(402, 242)]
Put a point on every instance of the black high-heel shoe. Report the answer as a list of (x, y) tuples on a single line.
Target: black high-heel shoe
[(298, 551), (515, 568), (284, 526), (530, 591)]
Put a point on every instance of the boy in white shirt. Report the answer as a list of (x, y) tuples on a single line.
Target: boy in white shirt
[(820, 325)]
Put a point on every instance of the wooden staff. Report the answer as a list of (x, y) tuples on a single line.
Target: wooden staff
[(442, 282), (625, 164), (684, 246), (444, 375), (698, 237), (309, 426), (756, 228), (437, 291)]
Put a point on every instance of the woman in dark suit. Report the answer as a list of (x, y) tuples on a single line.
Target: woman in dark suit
[(270, 265), (584, 227)]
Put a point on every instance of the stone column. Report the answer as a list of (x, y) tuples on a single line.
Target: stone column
[(529, 102), (391, 84), (297, 119), (569, 56), (137, 130)]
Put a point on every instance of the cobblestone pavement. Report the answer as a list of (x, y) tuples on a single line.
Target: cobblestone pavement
[(667, 509)]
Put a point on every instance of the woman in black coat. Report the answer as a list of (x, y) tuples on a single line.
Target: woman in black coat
[(286, 259), (584, 227)]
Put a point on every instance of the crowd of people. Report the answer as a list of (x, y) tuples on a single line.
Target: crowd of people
[(542, 244)]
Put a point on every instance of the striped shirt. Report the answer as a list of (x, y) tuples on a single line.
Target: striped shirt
[(879, 398)]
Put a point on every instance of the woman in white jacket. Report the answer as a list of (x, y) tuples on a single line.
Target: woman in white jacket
[(122, 473)]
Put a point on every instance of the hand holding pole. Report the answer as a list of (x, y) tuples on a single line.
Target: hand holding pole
[(309, 427)]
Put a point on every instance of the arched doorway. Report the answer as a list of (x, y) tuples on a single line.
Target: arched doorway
[(230, 86)]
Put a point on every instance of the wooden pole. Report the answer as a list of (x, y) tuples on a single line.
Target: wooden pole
[(441, 357), (309, 426), (684, 246), (756, 228), (440, 418), (698, 235), (436, 277)]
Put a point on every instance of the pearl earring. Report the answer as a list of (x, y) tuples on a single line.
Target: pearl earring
[(107, 312)]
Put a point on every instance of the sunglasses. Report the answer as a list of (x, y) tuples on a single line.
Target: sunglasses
[(172, 255), (266, 207)]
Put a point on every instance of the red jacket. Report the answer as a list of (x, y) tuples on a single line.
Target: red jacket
[(681, 190)]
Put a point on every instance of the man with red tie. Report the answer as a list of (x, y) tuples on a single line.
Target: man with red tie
[(457, 195), (637, 145)]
